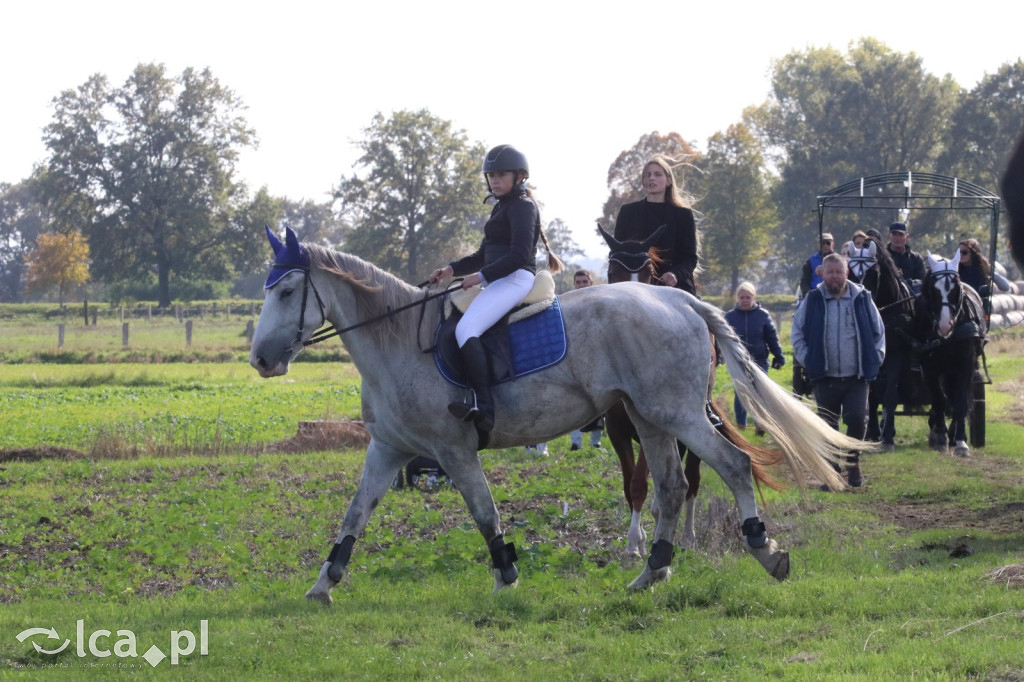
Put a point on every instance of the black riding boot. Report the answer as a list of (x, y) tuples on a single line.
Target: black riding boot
[(480, 409)]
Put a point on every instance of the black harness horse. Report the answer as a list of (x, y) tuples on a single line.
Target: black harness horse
[(950, 330), (891, 294)]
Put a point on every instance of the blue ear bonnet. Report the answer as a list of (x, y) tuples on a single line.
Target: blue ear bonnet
[(288, 257)]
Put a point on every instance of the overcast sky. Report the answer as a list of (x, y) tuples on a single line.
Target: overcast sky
[(571, 84)]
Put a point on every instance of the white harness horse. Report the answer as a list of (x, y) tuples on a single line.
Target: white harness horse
[(404, 396)]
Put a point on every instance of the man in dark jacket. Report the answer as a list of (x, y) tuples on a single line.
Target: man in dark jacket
[(839, 338), (909, 263)]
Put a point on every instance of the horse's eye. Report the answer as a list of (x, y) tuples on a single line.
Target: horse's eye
[(285, 293)]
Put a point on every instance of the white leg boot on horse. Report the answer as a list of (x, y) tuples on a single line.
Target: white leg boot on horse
[(480, 408)]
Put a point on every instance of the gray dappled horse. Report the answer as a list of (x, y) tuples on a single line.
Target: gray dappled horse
[(404, 397)]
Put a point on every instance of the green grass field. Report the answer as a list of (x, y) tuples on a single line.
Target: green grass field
[(189, 522)]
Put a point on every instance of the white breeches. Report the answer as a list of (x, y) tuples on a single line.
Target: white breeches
[(491, 304)]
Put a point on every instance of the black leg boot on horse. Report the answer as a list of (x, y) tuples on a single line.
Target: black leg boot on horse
[(479, 408)]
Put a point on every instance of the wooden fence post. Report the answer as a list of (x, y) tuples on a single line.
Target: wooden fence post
[(60, 337), (94, 311), (188, 334), (85, 311), (250, 329), (124, 333)]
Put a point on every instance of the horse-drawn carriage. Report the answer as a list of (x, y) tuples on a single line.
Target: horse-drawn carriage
[(900, 194)]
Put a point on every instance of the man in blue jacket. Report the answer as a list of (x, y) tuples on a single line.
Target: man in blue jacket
[(839, 338), (810, 276)]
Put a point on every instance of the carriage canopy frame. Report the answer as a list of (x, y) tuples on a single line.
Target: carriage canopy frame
[(908, 191)]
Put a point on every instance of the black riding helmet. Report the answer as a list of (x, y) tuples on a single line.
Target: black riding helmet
[(505, 157)]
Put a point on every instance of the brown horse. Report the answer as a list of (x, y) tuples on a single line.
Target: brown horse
[(637, 262)]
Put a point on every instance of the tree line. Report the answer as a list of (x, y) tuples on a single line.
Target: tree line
[(139, 196)]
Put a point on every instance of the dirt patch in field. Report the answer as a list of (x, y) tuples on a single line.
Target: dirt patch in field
[(38, 453), (314, 436)]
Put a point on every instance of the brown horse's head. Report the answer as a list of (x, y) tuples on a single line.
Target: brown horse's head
[(632, 260)]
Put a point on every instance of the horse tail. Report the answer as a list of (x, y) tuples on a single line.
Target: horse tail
[(808, 444), (760, 457)]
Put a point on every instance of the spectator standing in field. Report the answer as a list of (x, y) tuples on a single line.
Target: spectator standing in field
[(580, 280), (839, 338), (810, 276), (755, 328)]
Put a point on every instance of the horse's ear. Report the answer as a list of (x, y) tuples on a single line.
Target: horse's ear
[(291, 240), (610, 240), (954, 262), (275, 243), (653, 239), (850, 249), (871, 248)]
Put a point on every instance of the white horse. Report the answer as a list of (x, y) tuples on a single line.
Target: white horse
[(660, 371)]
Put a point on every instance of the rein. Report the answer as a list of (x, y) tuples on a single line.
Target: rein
[(331, 332)]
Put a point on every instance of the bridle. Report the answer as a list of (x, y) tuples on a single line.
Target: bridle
[(955, 310), (630, 261)]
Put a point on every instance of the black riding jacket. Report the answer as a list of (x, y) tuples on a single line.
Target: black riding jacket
[(510, 239)]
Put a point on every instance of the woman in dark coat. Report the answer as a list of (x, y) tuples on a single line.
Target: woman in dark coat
[(663, 205), (753, 324), (678, 245)]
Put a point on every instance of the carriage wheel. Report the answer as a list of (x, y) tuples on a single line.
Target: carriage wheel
[(977, 418)]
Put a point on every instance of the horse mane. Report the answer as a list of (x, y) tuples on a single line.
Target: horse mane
[(377, 291), (889, 278)]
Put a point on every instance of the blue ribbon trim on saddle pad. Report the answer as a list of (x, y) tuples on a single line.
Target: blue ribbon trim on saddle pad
[(538, 342)]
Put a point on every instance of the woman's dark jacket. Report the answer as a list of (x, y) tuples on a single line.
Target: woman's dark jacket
[(973, 274), (757, 331), (510, 239), (677, 245)]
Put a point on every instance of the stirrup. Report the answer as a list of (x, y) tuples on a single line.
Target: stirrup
[(715, 420), (465, 411)]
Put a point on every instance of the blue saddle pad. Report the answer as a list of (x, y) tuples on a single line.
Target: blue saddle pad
[(538, 342)]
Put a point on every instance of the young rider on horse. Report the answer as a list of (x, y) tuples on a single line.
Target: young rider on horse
[(503, 266), (664, 204)]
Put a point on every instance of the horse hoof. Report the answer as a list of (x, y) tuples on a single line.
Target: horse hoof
[(321, 590), (499, 583), (772, 559), (648, 577), (323, 597), (961, 450)]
